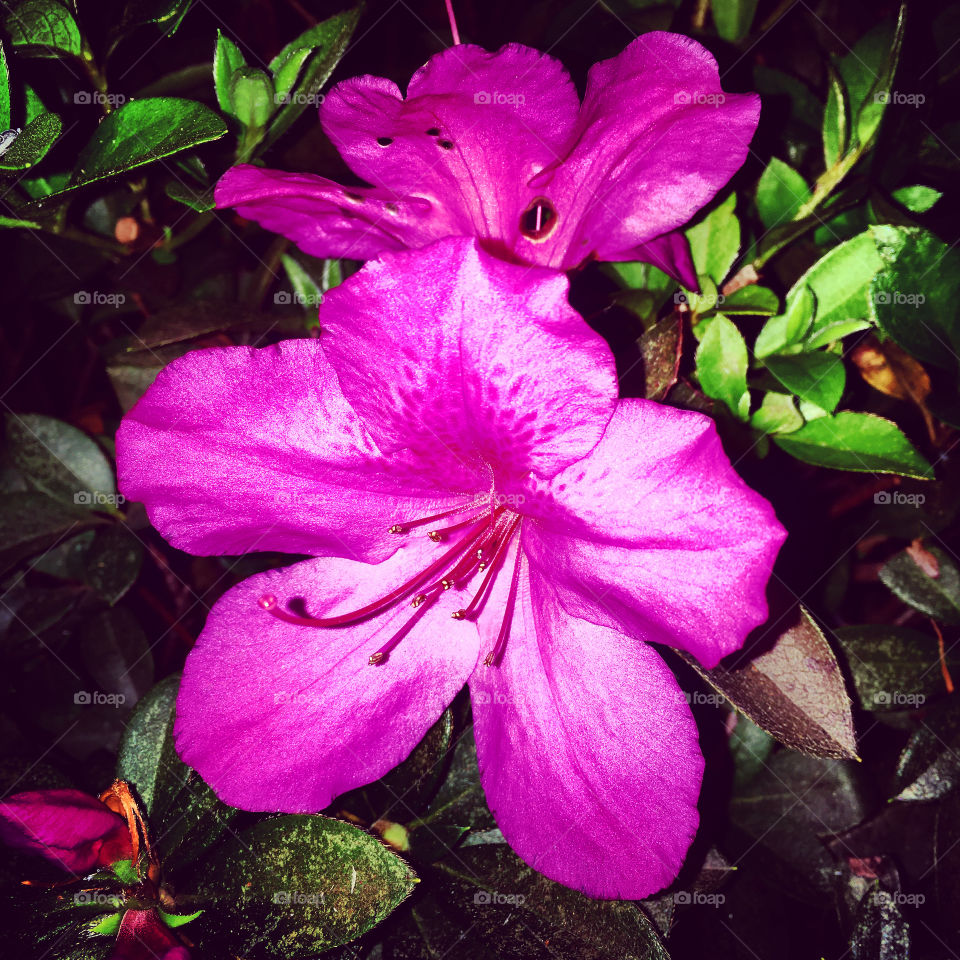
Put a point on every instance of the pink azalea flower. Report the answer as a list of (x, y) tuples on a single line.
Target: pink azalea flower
[(480, 508), (144, 936), (498, 146), (68, 827)]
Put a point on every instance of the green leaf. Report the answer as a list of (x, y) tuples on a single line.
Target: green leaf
[(227, 59), (4, 90), (32, 522), (32, 144), (916, 293), (750, 746), (43, 28), (174, 920), (733, 18), (783, 331), (752, 301), (294, 886), (815, 377), (781, 192), (185, 815), (917, 199), (834, 121), (835, 331), (859, 442), (12, 224), (937, 597), (637, 275), (199, 200), (715, 241), (794, 691), (329, 40), (60, 460), (840, 282), (142, 131), (777, 414), (868, 71), (251, 97), (893, 668), (722, 365), (112, 563), (167, 14)]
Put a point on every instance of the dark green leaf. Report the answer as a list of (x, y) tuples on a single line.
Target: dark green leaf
[(514, 910), (186, 817), (116, 654), (32, 522), (732, 18), (33, 143), (167, 14), (113, 562), (916, 293), (818, 378), (794, 691), (329, 41), (929, 766), (296, 885), (141, 131), (199, 200), (60, 460), (43, 28), (937, 597), (893, 668), (751, 747), (856, 441)]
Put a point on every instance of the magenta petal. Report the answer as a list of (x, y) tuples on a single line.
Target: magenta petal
[(642, 170), (237, 449), (474, 365), (588, 751), (327, 220), (671, 254), (656, 535), (473, 130), (276, 716), (68, 827), (144, 936)]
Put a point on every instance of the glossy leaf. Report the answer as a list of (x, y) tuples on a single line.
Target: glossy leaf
[(141, 131), (33, 522), (43, 28), (297, 885), (732, 18), (917, 199), (794, 691), (60, 460), (937, 597), (893, 668), (777, 414), (929, 766), (4, 90), (32, 144), (860, 442), (835, 121), (783, 331), (227, 59), (815, 377)]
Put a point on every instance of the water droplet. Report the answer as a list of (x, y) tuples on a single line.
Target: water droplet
[(384, 141)]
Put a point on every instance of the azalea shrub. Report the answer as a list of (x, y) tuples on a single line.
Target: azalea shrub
[(478, 479)]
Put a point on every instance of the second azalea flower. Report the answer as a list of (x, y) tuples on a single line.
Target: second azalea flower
[(498, 146), (480, 508)]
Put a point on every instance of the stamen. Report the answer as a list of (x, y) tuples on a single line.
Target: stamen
[(493, 657), (383, 653), (408, 525), (494, 563), (538, 221), (437, 535), (268, 601), (453, 23)]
